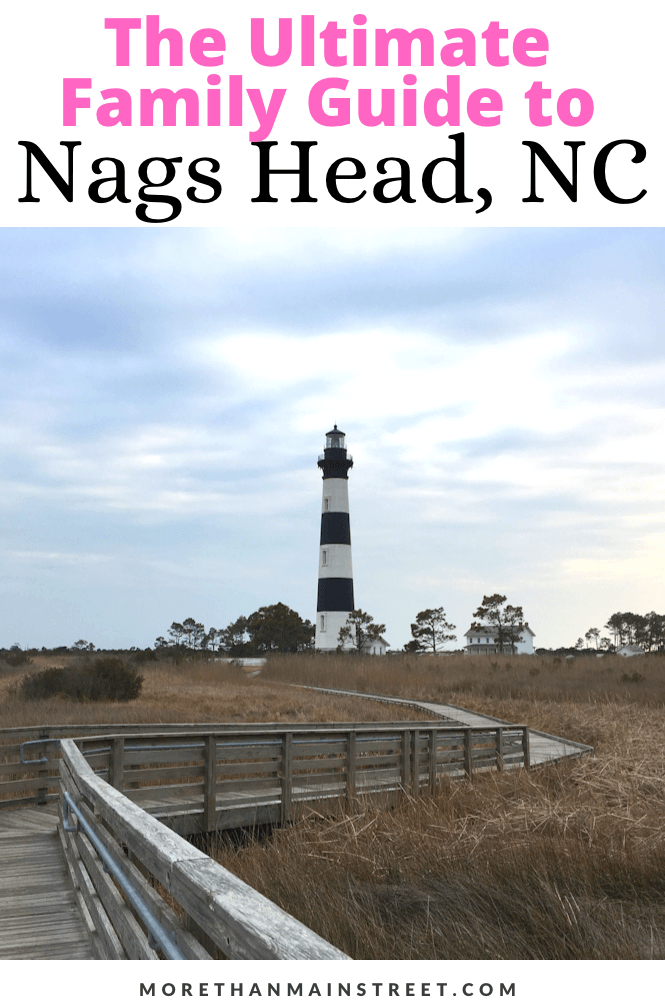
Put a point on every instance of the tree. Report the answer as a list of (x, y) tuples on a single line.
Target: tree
[(507, 623), (655, 631), (82, 646), (277, 628), (176, 633), (627, 627), (193, 632), (429, 631), (213, 639), (360, 631), (234, 638), (647, 631), (592, 634)]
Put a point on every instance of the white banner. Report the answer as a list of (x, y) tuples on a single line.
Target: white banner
[(419, 114), (523, 980)]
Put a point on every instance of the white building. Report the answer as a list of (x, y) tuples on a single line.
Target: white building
[(377, 647), (483, 640)]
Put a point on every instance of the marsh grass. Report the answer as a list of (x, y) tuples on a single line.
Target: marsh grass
[(584, 679), (192, 692)]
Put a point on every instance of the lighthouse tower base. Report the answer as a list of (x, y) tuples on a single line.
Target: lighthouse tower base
[(328, 625)]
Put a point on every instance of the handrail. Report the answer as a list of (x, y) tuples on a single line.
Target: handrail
[(31, 743), (157, 932), (236, 918), (25, 733)]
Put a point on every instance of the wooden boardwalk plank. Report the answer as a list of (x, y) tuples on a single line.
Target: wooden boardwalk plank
[(39, 916), (29, 818)]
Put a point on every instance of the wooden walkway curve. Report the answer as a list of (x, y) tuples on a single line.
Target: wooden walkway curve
[(545, 747)]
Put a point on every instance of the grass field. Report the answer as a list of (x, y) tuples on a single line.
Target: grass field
[(564, 862), (189, 693)]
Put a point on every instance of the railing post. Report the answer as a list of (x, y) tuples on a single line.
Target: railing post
[(210, 782), (525, 747), (287, 776), (351, 766), (431, 759), (42, 793), (406, 756), (468, 760), (116, 766), (415, 762), (499, 749)]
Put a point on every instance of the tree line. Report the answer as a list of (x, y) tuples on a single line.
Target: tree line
[(627, 629), (271, 629), (279, 629)]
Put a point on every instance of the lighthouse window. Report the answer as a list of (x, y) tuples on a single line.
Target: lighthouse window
[(324, 558), (326, 503), (323, 623)]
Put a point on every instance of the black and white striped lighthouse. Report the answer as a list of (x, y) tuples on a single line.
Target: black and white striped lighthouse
[(335, 597)]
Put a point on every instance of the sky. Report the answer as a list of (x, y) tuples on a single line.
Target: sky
[(165, 396)]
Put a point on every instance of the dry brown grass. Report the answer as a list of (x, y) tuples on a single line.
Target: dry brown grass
[(190, 693), (566, 862), (457, 677)]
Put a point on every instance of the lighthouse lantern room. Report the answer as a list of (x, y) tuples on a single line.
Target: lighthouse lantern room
[(335, 593)]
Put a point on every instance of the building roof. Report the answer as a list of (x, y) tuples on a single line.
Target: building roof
[(492, 630), (378, 639), (335, 430)]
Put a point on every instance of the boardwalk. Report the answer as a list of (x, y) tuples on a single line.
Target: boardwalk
[(39, 915), (201, 780), (545, 747)]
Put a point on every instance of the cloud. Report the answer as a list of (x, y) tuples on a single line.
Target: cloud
[(165, 395)]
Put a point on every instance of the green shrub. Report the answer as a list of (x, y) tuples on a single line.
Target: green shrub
[(16, 657), (44, 684), (106, 679)]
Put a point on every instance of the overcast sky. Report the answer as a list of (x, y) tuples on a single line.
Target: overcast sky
[(165, 395)]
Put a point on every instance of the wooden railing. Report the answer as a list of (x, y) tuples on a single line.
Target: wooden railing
[(195, 779), (37, 782), (145, 892), (235, 779), (120, 784), (220, 912)]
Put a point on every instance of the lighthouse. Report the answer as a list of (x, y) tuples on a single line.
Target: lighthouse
[(335, 596)]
